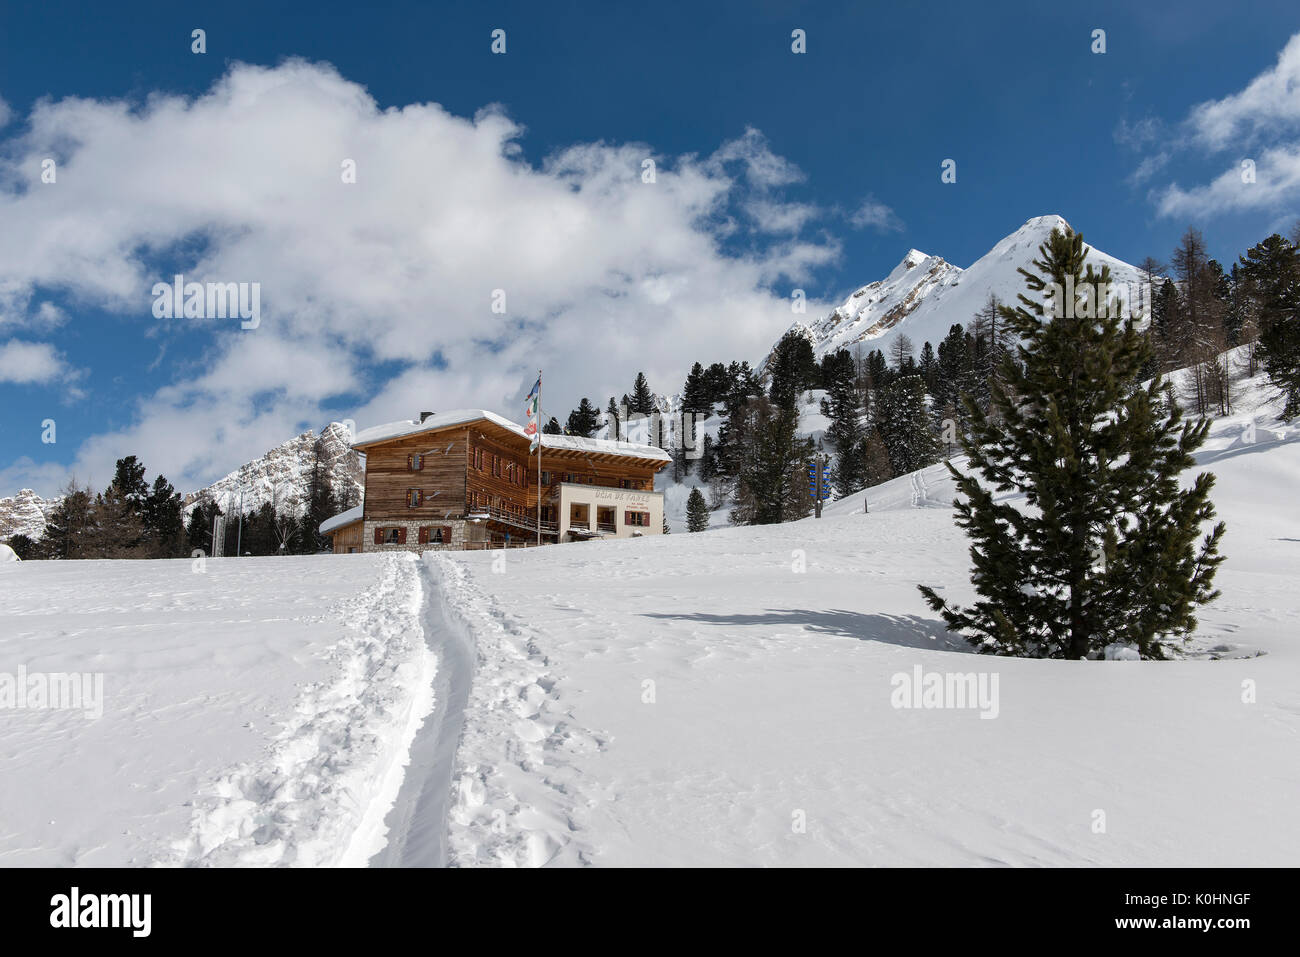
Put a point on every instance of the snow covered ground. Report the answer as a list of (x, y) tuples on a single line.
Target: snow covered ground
[(725, 698), (722, 698), (253, 713)]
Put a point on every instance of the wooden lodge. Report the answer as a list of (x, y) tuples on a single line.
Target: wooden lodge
[(466, 479)]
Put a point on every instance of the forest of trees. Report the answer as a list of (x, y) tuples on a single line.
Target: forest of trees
[(891, 414), (134, 519)]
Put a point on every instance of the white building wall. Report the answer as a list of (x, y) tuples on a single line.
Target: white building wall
[(622, 500)]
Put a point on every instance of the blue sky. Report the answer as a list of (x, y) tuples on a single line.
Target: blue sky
[(817, 171)]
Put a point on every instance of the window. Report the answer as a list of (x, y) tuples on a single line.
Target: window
[(478, 459), (605, 518), (390, 535), (641, 519), (546, 478), (579, 516), (434, 535), (414, 497), (415, 462), (496, 465)]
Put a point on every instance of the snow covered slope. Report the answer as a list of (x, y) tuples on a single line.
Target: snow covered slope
[(723, 698), (925, 295), (256, 712), (693, 699)]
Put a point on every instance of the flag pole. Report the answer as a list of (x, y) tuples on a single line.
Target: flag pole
[(539, 456)]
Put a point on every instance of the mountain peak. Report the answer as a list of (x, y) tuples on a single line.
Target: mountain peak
[(925, 296)]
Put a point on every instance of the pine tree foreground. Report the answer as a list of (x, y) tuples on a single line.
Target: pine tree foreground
[(1106, 550)]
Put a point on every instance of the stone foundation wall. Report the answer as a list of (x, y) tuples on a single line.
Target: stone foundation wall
[(459, 531)]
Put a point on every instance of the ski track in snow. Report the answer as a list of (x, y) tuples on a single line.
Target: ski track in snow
[(517, 801), (318, 797)]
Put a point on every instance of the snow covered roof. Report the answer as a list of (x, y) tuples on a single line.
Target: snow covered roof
[(441, 420), (342, 518)]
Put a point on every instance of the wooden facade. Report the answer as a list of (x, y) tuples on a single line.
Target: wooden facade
[(475, 483), (347, 538)]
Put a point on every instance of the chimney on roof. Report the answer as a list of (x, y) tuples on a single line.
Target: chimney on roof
[(425, 415)]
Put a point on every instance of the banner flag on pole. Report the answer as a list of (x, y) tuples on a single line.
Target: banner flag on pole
[(530, 404), (531, 411)]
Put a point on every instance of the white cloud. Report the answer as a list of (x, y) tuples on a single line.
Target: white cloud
[(27, 363), (1258, 124), (603, 275), (1276, 180), (875, 215), (1269, 102), (763, 168), (5, 112)]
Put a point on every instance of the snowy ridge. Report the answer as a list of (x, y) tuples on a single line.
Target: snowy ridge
[(925, 295), (318, 797)]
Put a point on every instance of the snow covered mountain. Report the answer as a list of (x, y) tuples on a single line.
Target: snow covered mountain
[(925, 295), (25, 514), (285, 472), (278, 476)]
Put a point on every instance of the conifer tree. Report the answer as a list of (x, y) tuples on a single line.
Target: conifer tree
[(164, 526), (843, 407), (321, 506), (793, 368), (1273, 267), (697, 512), (552, 427), (68, 527), (198, 530), (928, 368), (643, 400), (905, 425), (771, 485), (695, 392), (584, 420), (1106, 550)]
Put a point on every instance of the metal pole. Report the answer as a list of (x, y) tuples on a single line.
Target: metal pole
[(239, 538), (539, 456), (818, 467)]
